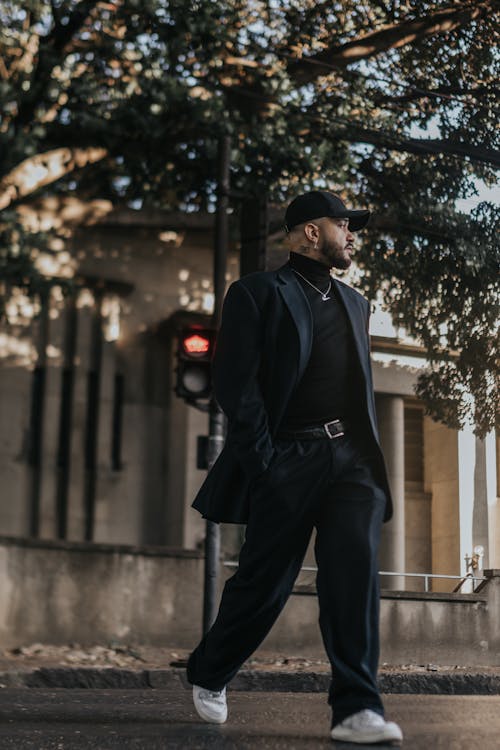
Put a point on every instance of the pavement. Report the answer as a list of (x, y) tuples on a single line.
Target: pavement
[(126, 667), (136, 697), (138, 719)]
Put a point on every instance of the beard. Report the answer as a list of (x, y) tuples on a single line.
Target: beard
[(336, 255)]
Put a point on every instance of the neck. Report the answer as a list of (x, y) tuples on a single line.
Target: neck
[(309, 266), (313, 254)]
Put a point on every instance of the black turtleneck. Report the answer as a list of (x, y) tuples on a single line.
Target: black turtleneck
[(330, 386)]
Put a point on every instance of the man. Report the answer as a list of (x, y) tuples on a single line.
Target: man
[(292, 373)]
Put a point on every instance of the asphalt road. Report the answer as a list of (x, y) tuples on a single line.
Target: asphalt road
[(159, 719)]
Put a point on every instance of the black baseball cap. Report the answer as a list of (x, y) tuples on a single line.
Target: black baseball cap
[(319, 203)]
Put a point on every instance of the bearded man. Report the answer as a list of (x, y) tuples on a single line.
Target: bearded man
[(292, 374)]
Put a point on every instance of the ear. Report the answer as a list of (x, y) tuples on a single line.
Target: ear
[(311, 232)]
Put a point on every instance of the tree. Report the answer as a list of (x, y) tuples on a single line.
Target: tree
[(394, 101)]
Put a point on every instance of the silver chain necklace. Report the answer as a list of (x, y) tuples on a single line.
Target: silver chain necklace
[(324, 295)]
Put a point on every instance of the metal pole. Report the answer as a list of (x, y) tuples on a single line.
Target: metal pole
[(254, 229), (216, 429)]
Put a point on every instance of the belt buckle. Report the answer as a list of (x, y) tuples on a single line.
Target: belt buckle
[(327, 426)]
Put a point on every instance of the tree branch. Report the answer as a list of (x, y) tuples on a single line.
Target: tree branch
[(51, 49), (391, 37), (61, 35), (443, 91), (44, 169), (353, 132), (55, 14), (358, 134)]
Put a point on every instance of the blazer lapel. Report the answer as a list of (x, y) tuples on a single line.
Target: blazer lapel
[(357, 320), (300, 310)]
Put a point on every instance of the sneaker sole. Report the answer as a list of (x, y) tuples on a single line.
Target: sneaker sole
[(211, 719), (374, 738)]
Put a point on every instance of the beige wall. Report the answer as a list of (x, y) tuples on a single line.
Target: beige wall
[(148, 500), (442, 482), (15, 392), (151, 497), (418, 553), (492, 481)]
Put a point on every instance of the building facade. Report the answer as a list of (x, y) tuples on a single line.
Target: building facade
[(94, 444)]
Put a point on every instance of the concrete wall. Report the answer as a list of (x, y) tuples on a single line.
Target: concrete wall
[(415, 629), (59, 593)]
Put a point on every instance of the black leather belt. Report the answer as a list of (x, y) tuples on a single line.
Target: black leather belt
[(328, 430)]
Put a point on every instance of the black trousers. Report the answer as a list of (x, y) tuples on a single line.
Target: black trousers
[(330, 485)]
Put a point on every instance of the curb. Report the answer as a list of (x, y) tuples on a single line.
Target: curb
[(107, 678)]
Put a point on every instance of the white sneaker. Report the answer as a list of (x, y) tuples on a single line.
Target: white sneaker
[(210, 704), (367, 727)]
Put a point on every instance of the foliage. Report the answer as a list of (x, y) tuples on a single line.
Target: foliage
[(391, 100), (443, 289)]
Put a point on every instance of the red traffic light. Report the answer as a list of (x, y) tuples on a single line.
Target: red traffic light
[(196, 344), (194, 363)]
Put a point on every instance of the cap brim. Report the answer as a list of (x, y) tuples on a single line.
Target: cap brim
[(357, 219)]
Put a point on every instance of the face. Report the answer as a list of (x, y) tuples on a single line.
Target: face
[(335, 243)]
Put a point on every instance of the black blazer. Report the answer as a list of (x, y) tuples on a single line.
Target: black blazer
[(262, 350)]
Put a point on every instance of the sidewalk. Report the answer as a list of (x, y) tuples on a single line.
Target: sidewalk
[(124, 667)]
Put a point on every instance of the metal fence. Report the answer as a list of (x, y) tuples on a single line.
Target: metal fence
[(461, 580), (427, 577)]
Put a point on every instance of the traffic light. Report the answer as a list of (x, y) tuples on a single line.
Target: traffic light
[(194, 356)]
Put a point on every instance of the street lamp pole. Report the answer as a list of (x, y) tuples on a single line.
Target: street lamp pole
[(216, 432)]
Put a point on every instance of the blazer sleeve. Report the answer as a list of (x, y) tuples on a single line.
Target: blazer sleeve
[(235, 372)]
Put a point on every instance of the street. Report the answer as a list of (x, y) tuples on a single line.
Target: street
[(67, 719)]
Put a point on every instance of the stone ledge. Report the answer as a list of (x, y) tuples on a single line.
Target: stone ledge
[(442, 683), (435, 596), (310, 590), (107, 548)]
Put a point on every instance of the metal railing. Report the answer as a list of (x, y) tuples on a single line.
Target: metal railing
[(429, 576), (475, 580)]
